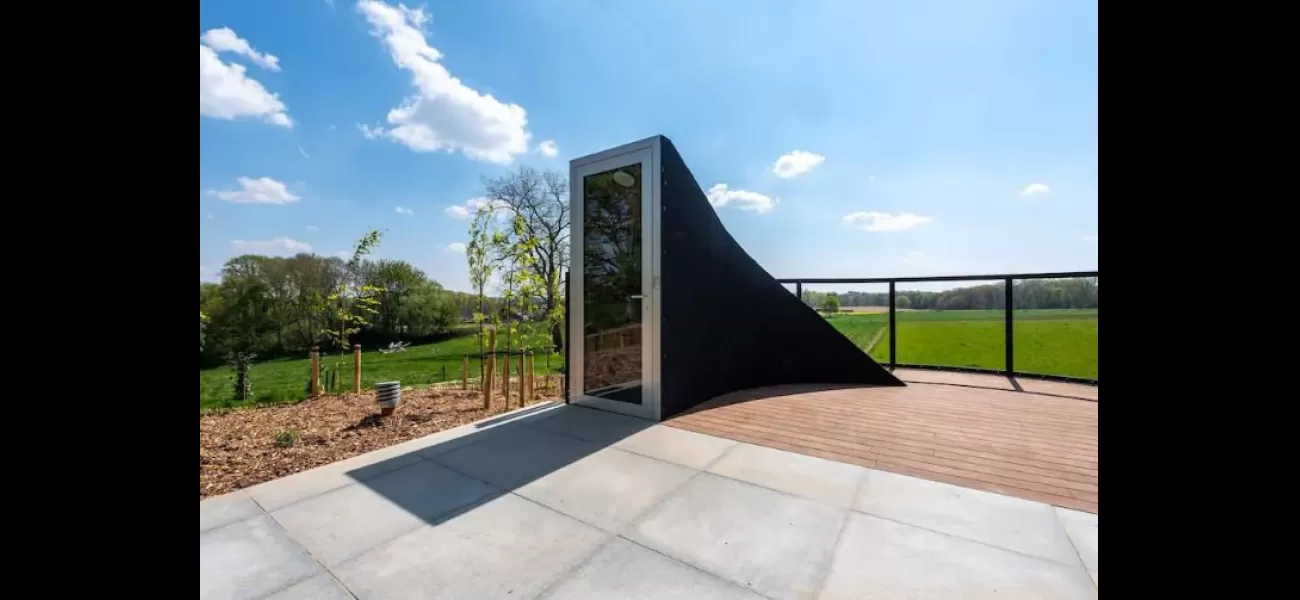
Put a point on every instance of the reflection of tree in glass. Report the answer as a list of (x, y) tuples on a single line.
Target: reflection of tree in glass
[(611, 249)]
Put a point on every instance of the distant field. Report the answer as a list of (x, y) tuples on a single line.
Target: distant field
[(285, 380), (1057, 342)]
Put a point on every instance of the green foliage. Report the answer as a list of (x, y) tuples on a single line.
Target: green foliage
[(286, 438), (241, 366), (830, 303), (354, 301), (203, 324)]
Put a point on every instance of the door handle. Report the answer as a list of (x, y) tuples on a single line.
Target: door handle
[(636, 297)]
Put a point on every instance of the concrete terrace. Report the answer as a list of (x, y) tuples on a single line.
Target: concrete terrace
[(565, 502)]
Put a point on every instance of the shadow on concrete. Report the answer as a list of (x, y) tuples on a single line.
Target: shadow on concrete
[(506, 452)]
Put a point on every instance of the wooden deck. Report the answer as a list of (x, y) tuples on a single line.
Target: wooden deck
[(975, 431)]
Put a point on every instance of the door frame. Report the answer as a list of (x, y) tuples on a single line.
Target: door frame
[(645, 152)]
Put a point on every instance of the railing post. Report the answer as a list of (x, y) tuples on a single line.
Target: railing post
[(1009, 324), (893, 328), (798, 290)]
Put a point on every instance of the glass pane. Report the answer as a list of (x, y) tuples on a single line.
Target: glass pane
[(611, 269)]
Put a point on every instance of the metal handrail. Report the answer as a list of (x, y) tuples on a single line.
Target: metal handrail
[(1008, 320)]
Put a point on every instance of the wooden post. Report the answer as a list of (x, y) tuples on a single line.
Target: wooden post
[(315, 371), (523, 378), (532, 376), (464, 372), (505, 378), (356, 369), (490, 372)]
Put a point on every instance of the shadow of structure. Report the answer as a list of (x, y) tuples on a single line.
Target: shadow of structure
[(457, 475)]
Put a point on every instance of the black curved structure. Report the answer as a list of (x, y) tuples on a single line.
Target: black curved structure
[(712, 320), (727, 324)]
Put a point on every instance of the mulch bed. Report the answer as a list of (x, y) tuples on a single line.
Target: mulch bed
[(239, 448)]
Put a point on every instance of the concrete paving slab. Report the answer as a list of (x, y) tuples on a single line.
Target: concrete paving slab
[(677, 446), (608, 489), (601, 427), (343, 523), (226, 509), (250, 559), (623, 569), (319, 587), (1082, 529), (503, 424), (772, 543), (509, 461), (278, 493), (282, 492), (507, 547), (834, 483), (1011, 523), (878, 558)]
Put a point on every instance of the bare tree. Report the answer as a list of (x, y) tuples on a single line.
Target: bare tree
[(542, 199)]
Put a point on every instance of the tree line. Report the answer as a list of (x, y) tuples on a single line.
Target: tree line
[(1077, 292), (276, 306)]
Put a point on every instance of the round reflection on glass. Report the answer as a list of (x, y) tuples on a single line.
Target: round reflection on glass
[(624, 179)]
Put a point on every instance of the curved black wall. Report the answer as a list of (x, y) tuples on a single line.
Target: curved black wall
[(727, 324)]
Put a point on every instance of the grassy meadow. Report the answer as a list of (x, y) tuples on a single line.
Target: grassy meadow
[(1056, 342), (285, 379)]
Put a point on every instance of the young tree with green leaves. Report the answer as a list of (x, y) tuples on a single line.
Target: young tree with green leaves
[(354, 301)]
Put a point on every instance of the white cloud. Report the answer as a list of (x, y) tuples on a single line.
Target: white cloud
[(272, 247), (262, 190), (371, 131), (1035, 188), (796, 163), (444, 113), (878, 221), (474, 205), (404, 211), (720, 196), (456, 247), (313, 228), (303, 152), (548, 148), (225, 40), (226, 92)]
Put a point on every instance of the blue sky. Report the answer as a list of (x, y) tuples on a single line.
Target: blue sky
[(851, 138)]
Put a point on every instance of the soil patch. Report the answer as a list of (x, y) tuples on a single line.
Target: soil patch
[(240, 448)]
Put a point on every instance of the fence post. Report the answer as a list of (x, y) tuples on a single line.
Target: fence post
[(523, 378), (798, 290), (490, 372), (315, 371), (893, 327), (356, 369), (1009, 326), (464, 372)]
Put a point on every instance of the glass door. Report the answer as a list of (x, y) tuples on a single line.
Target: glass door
[(613, 200)]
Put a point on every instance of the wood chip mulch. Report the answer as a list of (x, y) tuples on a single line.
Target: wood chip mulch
[(239, 448)]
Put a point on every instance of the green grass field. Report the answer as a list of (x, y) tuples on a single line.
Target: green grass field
[(1056, 342), (285, 379)]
